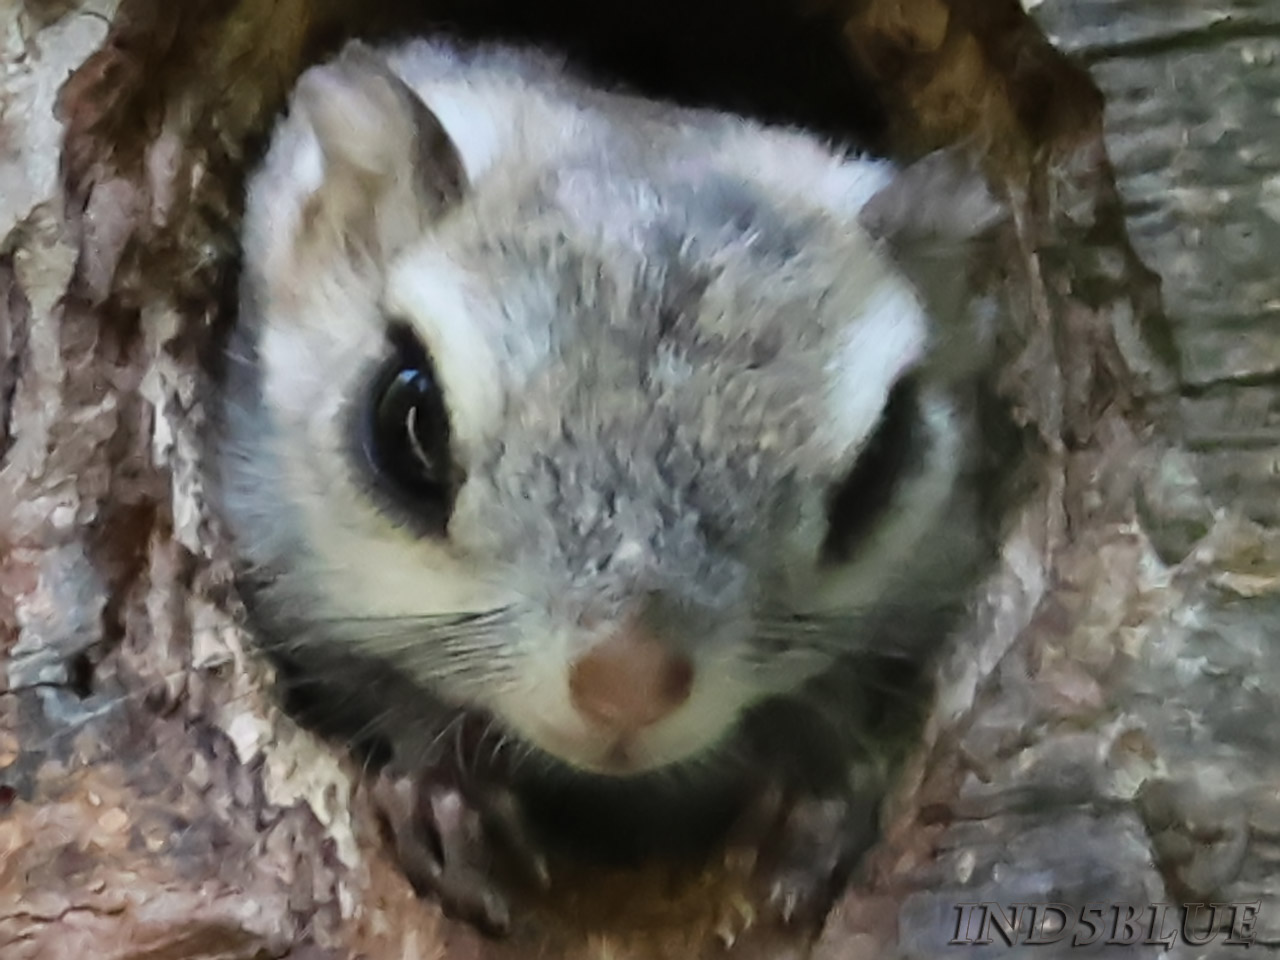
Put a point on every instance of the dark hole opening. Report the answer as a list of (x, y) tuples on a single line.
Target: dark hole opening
[(80, 676)]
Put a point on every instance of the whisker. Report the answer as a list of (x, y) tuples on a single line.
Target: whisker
[(839, 635), (390, 644), (424, 619)]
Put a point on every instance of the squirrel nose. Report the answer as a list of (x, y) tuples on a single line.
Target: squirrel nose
[(629, 681)]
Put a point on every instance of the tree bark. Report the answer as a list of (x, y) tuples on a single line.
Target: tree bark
[(1104, 728)]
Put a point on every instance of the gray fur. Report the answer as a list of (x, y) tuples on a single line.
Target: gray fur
[(662, 318)]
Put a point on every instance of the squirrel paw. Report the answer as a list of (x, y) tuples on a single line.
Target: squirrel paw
[(452, 844)]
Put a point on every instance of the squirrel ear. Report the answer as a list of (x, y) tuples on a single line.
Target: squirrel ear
[(938, 221), (939, 202), (934, 217), (388, 166)]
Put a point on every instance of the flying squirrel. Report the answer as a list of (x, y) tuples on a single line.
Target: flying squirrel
[(596, 463)]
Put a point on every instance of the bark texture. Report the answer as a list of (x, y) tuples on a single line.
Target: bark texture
[(1105, 730)]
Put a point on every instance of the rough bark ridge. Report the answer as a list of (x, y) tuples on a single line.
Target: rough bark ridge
[(153, 803)]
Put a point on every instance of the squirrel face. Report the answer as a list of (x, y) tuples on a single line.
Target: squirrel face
[(609, 418)]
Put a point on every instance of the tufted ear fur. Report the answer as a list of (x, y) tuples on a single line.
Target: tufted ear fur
[(388, 168)]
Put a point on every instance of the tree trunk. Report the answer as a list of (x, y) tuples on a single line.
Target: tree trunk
[(1104, 730)]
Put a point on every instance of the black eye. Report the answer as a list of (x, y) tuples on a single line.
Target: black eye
[(894, 451), (408, 427)]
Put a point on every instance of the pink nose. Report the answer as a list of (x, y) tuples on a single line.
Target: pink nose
[(629, 681)]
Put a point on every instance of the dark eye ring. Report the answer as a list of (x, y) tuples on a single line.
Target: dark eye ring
[(894, 451), (408, 436)]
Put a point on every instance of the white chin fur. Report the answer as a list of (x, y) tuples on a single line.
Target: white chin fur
[(540, 711)]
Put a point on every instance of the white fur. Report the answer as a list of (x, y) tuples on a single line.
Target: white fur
[(480, 124), (489, 102), (796, 165), (887, 338)]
